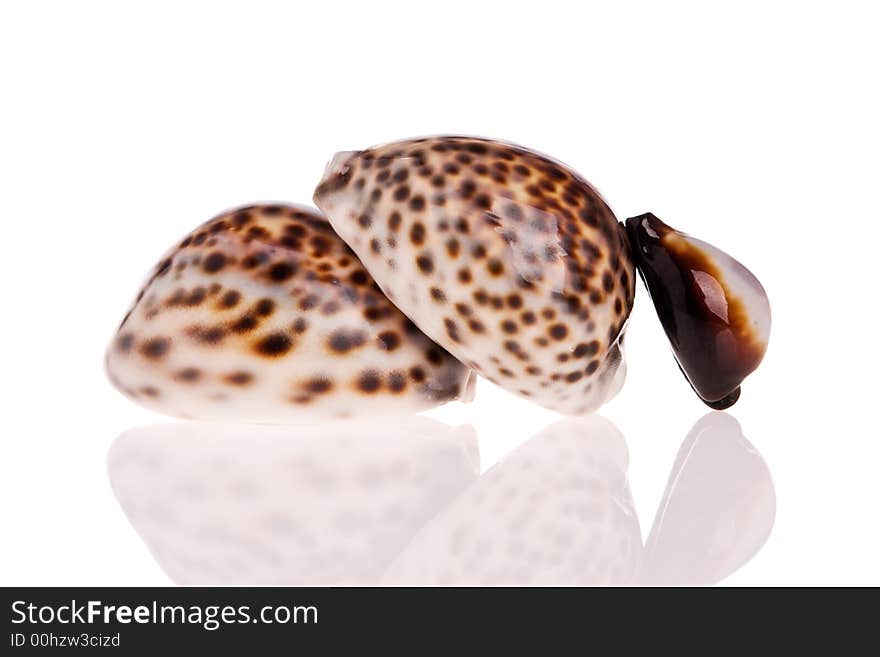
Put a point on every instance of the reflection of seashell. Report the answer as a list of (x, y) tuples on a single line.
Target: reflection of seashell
[(399, 502), (263, 314), (316, 505), (508, 259), (717, 511), (557, 511), (714, 311)]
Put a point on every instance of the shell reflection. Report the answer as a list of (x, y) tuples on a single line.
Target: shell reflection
[(315, 506), (402, 502)]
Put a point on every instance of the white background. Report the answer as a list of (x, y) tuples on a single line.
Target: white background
[(754, 127)]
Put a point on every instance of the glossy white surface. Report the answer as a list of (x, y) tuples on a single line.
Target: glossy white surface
[(768, 151), (401, 502), (317, 505)]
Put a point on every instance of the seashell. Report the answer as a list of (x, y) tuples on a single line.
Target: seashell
[(263, 314), (508, 259), (715, 312)]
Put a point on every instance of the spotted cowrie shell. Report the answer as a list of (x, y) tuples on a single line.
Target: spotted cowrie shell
[(263, 314), (508, 259)]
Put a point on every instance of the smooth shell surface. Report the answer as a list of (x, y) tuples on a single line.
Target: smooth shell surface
[(714, 311), (263, 314), (505, 257)]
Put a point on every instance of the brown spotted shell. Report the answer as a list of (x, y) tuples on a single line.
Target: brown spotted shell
[(263, 314), (508, 259)]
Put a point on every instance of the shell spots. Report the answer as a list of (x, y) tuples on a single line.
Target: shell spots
[(238, 378), (230, 299), (242, 218), (206, 335), (396, 382), (434, 355), (586, 349), (417, 234), (607, 282), (155, 348), (330, 308), (483, 201), (425, 263), (494, 267), (514, 301), (318, 385), (476, 326), (163, 267), (389, 340), (394, 221), (300, 325), (124, 343), (452, 330), (369, 382), (186, 299), (273, 345), (264, 307), (558, 331), (214, 262), (244, 324), (281, 271), (188, 375), (342, 341), (309, 301)]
